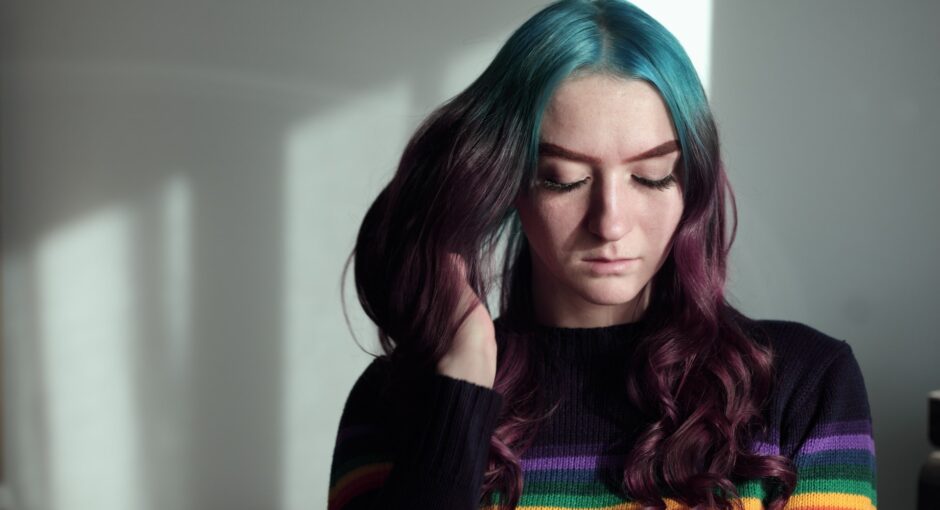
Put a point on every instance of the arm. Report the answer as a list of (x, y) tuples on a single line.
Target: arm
[(835, 459), (431, 459)]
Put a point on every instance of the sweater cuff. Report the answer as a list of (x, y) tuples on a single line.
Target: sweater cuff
[(450, 443)]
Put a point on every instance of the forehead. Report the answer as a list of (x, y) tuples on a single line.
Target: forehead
[(609, 117)]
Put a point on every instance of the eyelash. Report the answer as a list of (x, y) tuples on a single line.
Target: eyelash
[(661, 184)]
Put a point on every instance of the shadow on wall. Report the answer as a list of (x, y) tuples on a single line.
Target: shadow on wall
[(175, 216)]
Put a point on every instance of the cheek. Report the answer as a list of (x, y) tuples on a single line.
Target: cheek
[(548, 223), (663, 217), (673, 213)]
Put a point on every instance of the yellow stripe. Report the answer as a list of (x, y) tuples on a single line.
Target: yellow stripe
[(837, 499)]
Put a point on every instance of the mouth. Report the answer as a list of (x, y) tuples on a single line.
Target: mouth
[(604, 266)]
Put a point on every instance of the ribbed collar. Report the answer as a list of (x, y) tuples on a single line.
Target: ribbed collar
[(618, 331), (586, 344)]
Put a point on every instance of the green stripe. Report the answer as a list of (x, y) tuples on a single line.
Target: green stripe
[(593, 495), (593, 487), (751, 489), (845, 471), (575, 500), (861, 488)]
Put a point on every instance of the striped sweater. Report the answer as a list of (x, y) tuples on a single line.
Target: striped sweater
[(431, 452)]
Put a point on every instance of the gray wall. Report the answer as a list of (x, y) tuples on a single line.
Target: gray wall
[(830, 119), (182, 183)]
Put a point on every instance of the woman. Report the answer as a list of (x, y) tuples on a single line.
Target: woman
[(616, 375)]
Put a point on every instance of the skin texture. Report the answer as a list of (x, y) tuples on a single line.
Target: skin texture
[(472, 355), (612, 214)]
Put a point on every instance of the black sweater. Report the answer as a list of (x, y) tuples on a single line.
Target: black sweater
[(431, 452)]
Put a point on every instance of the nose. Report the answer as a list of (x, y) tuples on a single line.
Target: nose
[(609, 214)]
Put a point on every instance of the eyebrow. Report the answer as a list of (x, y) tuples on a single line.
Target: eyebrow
[(550, 149)]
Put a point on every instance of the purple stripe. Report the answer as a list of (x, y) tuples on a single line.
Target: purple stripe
[(569, 462), (844, 442)]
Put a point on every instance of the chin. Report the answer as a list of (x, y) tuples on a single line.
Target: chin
[(609, 293)]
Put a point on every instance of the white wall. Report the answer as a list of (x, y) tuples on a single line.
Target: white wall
[(183, 181)]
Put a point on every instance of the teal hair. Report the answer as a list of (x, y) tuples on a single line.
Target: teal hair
[(576, 37)]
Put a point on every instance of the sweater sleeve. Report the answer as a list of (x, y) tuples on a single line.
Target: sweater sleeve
[(835, 459), (431, 457)]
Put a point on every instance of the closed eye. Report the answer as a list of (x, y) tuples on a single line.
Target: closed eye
[(660, 184), (561, 186)]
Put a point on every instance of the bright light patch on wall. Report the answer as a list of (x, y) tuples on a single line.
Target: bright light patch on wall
[(335, 164), (176, 208), (691, 22), (86, 308), (169, 442)]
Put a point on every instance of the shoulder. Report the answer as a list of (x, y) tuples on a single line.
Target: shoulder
[(373, 377), (797, 346), (801, 354), (816, 379), (367, 394), (375, 373)]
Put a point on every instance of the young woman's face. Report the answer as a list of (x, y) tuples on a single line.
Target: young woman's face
[(607, 200)]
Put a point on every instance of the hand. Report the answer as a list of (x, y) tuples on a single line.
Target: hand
[(472, 355)]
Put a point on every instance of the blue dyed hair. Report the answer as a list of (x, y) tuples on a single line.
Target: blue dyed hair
[(580, 37)]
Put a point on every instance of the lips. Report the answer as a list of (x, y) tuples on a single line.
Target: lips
[(600, 266), (604, 259)]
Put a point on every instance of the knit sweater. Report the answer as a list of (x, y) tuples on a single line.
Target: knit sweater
[(432, 455)]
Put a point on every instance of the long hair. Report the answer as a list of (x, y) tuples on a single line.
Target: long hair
[(699, 379)]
